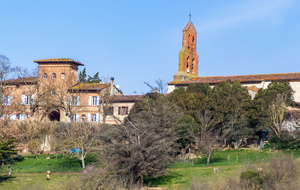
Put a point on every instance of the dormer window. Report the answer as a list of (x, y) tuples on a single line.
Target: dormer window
[(44, 76), (53, 76), (62, 76)]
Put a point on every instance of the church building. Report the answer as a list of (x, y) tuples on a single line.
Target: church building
[(188, 70)]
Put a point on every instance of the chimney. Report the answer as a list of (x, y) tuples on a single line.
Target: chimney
[(112, 86)]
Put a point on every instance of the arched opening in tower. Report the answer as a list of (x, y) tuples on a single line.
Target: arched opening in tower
[(54, 116)]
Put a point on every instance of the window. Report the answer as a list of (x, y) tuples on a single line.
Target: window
[(83, 118), (6, 100), (95, 100), (27, 99), (74, 100), (94, 118), (44, 76), (187, 62), (75, 117), (123, 110), (52, 92), (62, 76), (20, 117), (193, 38), (53, 76), (110, 111)]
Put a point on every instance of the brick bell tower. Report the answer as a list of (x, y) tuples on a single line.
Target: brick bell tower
[(188, 57)]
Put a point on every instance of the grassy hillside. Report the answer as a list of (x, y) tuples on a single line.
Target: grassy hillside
[(30, 173)]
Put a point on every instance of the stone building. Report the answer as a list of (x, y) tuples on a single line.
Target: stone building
[(188, 70), (57, 95)]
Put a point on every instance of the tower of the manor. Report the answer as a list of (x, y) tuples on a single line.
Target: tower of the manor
[(188, 58)]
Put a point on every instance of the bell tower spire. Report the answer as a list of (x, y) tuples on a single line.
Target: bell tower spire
[(188, 57)]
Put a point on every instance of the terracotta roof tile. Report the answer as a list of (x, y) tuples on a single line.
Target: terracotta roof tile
[(58, 60), (22, 80), (90, 86), (127, 98), (241, 78), (188, 25)]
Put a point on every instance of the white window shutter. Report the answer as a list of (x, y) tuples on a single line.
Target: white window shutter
[(78, 100), (70, 100), (8, 102), (32, 99), (97, 117), (77, 117), (23, 99), (90, 100), (22, 117), (3, 100), (89, 117), (98, 100), (12, 117), (69, 120)]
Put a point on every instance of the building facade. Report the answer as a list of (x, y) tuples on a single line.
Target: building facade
[(56, 95)]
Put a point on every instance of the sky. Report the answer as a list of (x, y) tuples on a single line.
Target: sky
[(137, 41)]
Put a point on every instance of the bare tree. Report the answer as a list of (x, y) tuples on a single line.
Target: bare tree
[(145, 143), (276, 113), (4, 73), (83, 136), (159, 86), (207, 139), (209, 144)]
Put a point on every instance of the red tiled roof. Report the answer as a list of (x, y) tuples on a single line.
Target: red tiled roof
[(241, 78), (22, 80), (188, 25), (126, 98), (58, 60), (90, 86)]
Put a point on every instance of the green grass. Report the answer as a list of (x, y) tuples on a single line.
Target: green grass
[(181, 174), (35, 181), (31, 172), (62, 164)]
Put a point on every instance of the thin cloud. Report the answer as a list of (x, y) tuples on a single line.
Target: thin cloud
[(273, 10)]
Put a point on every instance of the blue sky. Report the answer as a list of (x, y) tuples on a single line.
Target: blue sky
[(138, 41)]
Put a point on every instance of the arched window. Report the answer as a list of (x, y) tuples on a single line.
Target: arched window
[(193, 61), (187, 62), (193, 38), (44, 76), (62, 76), (53, 76), (83, 118)]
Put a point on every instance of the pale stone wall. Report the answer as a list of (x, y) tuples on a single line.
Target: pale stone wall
[(296, 88), (263, 84)]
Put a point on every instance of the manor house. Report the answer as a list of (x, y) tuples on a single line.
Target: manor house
[(57, 95), (188, 71)]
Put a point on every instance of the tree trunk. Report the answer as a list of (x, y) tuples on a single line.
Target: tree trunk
[(82, 160), (235, 145), (9, 170), (140, 182), (207, 161)]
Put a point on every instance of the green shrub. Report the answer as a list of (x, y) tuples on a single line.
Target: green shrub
[(73, 161), (287, 140), (12, 160), (251, 179)]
